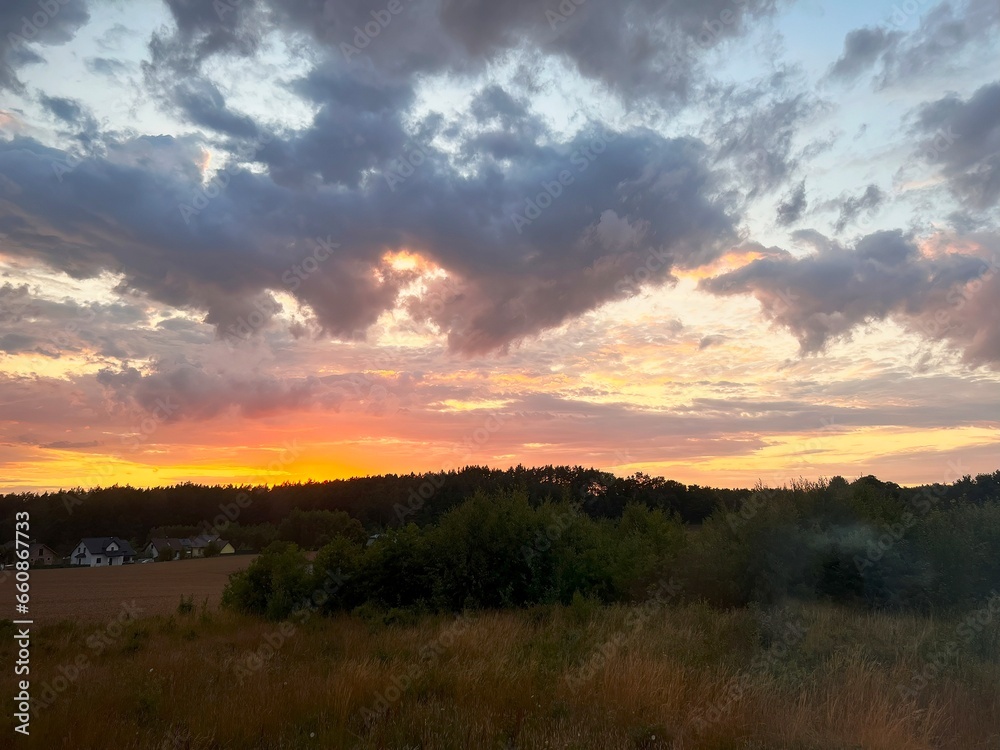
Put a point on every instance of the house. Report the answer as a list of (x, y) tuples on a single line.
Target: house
[(199, 545), (188, 547), (97, 552), (38, 554), (225, 548), (158, 545), (196, 545), (42, 554)]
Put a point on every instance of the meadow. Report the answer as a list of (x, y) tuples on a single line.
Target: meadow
[(659, 675)]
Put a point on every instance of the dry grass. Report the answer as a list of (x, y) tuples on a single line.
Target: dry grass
[(499, 680), (96, 594)]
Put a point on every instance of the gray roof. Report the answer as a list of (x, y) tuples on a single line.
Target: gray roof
[(200, 541), (98, 545), (162, 543)]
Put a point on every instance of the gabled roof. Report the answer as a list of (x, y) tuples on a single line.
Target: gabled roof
[(33, 548), (198, 542), (162, 543), (98, 545)]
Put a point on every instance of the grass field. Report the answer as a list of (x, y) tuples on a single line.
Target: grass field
[(97, 594), (813, 677)]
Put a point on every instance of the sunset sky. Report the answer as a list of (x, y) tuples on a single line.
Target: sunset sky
[(720, 241)]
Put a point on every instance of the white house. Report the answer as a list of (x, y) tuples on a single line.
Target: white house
[(97, 552)]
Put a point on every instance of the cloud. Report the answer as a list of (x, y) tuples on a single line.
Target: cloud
[(754, 127), (635, 205), (790, 210), (106, 66), (15, 343), (948, 37), (862, 48), (638, 207), (26, 23), (69, 445), (187, 390), (68, 326), (823, 296), (713, 340), (201, 103), (70, 111), (73, 114), (641, 48), (962, 138), (949, 33), (852, 206), (206, 29), (962, 311)]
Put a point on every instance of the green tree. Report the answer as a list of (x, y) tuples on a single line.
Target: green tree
[(311, 529)]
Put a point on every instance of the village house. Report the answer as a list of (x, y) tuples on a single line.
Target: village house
[(187, 547), (97, 552), (42, 554), (160, 545), (38, 554)]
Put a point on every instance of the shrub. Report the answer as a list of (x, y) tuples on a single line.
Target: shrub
[(273, 585)]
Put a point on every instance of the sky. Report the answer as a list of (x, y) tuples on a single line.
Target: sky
[(721, 241)]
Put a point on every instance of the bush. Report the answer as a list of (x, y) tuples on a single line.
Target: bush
[(335, 574), (274, 584)]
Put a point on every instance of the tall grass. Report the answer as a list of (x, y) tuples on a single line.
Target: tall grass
[(582, 676)]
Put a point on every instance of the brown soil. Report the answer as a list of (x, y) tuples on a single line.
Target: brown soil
[(99, 594)]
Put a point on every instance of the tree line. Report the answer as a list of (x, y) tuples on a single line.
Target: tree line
[(250, 516), (866, 543)]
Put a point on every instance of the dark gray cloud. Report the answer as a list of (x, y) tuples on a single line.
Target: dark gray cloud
[(862, 48), (77, 120), (202, 104), (790, 210), (363, 173), (106, 66), (16, 343), (962, 138), (949, 33), (501, 128), (206, 29), (24, 23), (753, 128), (636, 47), (70, 111), (824, 296), (493, 102), (851, 207), (53, 328), (636, 205)]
